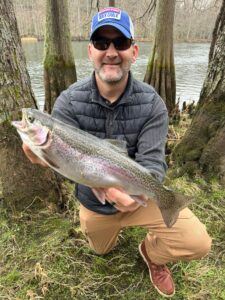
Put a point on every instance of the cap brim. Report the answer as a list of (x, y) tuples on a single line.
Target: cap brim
[(117, 26)]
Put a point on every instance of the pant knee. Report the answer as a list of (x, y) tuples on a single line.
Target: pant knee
[(204, 247), (101, 250), (201, 245)]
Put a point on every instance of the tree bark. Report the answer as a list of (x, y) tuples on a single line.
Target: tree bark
[(160, 71), (59, 65), (21, 183), (111, 3), (203, 147)]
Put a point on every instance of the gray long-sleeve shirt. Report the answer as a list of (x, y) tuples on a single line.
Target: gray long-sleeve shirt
[(139, 117)]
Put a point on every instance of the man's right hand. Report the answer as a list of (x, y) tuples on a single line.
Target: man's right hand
[(33, 157)]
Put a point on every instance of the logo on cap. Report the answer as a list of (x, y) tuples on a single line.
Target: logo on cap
[(109, 13), (114, 17)]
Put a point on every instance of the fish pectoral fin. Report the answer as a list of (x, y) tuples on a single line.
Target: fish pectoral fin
[(50, 162), (99, 194)]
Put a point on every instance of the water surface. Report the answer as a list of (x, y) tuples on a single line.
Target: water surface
[(191, 62)]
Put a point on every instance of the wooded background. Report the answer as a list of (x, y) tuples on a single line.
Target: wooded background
[(194, 19), (43, 254)]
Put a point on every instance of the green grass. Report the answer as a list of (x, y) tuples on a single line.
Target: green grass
[(43, 255)]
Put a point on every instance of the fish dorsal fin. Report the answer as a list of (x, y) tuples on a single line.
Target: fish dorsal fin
[(118, 145)]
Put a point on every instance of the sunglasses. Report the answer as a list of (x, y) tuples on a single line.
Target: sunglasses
[(120, 43)]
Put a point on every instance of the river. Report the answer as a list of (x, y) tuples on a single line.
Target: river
[(191, 60)]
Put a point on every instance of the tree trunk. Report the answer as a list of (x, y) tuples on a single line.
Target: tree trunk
[(160, 71), (59, 66), (111, 3), (203, 147), (21, 183)]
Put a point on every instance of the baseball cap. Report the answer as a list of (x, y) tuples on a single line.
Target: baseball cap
[(114, 17)]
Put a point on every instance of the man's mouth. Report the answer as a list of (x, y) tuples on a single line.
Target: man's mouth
[(111, 64)]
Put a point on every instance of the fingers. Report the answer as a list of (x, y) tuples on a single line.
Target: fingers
[(120, 200), (118, 197), (128, 208)]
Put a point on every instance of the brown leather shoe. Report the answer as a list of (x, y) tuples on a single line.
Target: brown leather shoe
[(160, 275)]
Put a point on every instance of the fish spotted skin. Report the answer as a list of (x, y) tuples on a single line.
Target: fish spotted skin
[(88, 160)]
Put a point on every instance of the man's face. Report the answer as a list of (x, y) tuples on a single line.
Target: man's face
[(111, 65)]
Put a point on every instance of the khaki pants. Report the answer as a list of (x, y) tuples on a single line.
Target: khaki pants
[(186, 240)]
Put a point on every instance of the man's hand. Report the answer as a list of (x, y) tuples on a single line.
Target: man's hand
[(122, 201), (33, 157)]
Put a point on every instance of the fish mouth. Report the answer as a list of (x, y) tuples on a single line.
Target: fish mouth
[(31, 130), (21, 125)]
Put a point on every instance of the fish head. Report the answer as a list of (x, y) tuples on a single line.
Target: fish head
[(31, 128)]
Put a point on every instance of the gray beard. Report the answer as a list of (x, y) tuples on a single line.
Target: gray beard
[(113, 82)]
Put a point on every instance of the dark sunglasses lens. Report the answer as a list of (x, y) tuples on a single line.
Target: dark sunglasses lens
[(122, 44), (101, 44), (119, 43)]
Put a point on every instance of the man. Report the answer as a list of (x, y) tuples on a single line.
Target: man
[(113, 105)]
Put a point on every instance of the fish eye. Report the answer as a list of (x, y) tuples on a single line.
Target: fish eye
[(30, 119)]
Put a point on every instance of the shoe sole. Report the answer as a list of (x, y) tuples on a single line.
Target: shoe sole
[(150, 275)]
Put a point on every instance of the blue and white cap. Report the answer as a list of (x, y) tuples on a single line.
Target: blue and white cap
[(114, 17)]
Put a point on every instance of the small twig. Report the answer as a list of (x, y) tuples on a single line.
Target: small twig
[(35, 198), (150, 10)]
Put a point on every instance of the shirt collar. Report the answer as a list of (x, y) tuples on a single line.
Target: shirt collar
[(124, 99)]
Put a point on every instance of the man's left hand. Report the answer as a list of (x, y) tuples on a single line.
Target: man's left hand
[(122, 201)]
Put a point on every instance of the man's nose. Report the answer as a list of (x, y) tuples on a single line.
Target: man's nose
[(111, 51)]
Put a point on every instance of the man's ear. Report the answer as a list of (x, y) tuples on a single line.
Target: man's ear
[(135, 53), (89, 51)]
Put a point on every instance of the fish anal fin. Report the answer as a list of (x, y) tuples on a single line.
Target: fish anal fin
[(99, 194), (139, 200)]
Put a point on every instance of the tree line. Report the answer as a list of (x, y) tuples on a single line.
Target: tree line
[(194, 19)]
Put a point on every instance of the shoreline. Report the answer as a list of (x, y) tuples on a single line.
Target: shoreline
[(34, 39)]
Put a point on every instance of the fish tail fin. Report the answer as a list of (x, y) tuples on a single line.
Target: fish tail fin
[(171, 214), (181, 200)]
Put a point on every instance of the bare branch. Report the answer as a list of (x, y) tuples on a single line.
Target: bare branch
[(98, 4), (112, 3), (150, 10), (89, 14), (215, 4)]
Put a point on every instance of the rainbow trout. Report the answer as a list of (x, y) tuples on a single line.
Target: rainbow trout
[(96, 163)]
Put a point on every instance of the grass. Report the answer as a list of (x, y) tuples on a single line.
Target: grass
[(43, 255)]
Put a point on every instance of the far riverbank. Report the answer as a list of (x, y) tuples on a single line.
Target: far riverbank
[(34, 39)]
